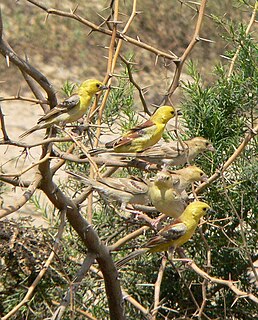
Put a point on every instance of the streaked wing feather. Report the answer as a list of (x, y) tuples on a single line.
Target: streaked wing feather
[(142, 126), (174, 231), (64, 106)]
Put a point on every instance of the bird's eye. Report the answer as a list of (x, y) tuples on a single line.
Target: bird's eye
[(204, 209), (97, 85), (201, 174), (207, 143)]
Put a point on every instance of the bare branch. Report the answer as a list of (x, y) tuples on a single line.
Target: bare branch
[(181, 61), (88, 261), (97, 28), (228, 283), (23, 199), (249, 136), (7, 51), (89, 238), (157, 287), (3, 129), (251, 22), (21, 98), (127, 296)]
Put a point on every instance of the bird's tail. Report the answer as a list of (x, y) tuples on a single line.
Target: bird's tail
[(85, 180), (96, 151), (131, 256), (26, 133)]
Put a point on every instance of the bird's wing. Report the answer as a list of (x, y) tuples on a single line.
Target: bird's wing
[(136, 186), (133, 186), (62, 107), (171, 232), (133, 134), (168, 150)]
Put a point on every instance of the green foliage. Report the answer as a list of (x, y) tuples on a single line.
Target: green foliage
[(68, 88), (120, 107)]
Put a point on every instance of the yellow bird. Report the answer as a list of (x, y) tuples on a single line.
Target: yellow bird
[(175, 234), (144, 135), (123, 190), (71, 109), (182, 178), (174, 153), (164, 197)]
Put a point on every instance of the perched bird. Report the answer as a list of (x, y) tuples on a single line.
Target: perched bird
[(174, 153), (71, 109), (145, 134), (123, 190), (164, 197), (175, 234), (182, 178)]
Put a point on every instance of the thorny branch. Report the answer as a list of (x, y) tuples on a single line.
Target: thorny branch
[(88, 261), (9, 54), (251, 22), (157, 287), (230, 284), (94, 27)]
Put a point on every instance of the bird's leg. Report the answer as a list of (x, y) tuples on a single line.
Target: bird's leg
[(156, 222), (132, 211), (171, 252)]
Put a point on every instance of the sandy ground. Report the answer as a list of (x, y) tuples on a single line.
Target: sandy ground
[(19, 116)]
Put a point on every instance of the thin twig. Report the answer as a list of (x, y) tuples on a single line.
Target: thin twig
[(128, 237), (23, 199), (97, 28), (228, 283), (3, 128), (131, 78), (251, 22), (249, 136), (182, 59), (7, 51), (88, 261), (157, 287), (21, 98)]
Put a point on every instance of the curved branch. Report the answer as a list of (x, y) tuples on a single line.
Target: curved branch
[(249, 136), (181, 60), (91, 240), (8, 52), (97, 28), (23, 199), (230, 284)]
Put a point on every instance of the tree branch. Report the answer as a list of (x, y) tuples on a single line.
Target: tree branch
[(7, 51), (91, 240), (97, 28)]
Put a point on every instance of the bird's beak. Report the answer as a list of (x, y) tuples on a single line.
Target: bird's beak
[(179, 113), (211, 211), (103, 87), (161, 178), (211, 148)]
